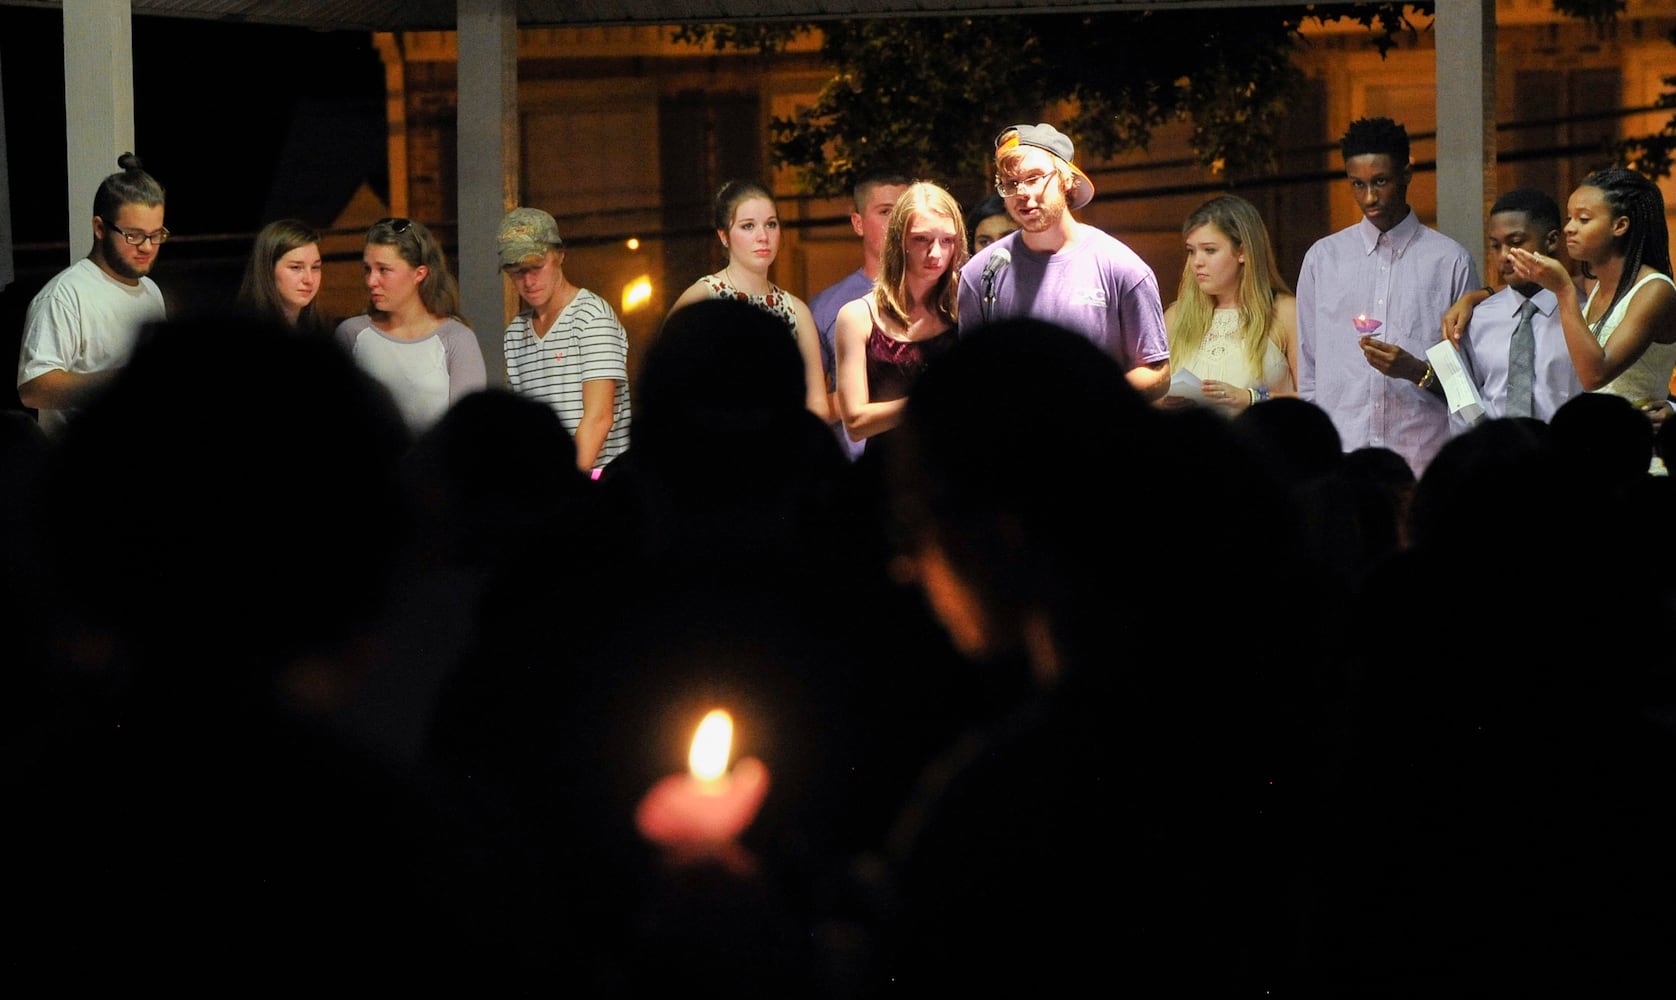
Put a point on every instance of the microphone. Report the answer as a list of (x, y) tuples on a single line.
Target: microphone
[(999, 259)]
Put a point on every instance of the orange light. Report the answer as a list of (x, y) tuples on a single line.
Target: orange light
[(637, 293), (711, 746)]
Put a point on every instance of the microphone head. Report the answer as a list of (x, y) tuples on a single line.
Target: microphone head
[(999, 257)]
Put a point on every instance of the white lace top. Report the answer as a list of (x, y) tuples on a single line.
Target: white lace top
[(1222, 356)]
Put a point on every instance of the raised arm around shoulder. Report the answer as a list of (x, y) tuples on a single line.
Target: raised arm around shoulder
[(1460, 314)]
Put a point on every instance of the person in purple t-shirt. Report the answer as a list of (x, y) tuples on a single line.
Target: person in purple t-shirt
[(1057, 269)]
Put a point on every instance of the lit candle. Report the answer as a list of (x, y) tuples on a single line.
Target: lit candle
[(1366, 325), (707, 760), (709, 803)]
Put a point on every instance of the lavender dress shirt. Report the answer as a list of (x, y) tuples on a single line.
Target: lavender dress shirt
[(1407, 279), (1489, 338)]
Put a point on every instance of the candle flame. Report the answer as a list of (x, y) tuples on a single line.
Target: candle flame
[(711, 746)]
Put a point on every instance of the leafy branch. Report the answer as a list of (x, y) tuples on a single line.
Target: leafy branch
[(926, 96)]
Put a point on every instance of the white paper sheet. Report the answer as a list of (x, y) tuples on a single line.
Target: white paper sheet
[(1458, 386), (1185, 384)]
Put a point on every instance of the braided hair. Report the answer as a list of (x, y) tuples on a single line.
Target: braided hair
[(1647, 242)]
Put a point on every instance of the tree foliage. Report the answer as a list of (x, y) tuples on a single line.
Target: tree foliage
[(926, 95)]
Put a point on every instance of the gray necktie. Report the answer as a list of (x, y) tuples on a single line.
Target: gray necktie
[(1521, 364)]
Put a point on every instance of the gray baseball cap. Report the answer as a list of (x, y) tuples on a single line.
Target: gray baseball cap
[(1045, 136)]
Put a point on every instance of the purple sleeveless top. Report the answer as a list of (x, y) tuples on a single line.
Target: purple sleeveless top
[(893, 365)]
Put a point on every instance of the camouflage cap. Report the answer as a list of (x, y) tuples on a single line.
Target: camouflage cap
[(526, 233)]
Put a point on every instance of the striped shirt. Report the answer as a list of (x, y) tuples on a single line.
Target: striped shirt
[(587, 342)]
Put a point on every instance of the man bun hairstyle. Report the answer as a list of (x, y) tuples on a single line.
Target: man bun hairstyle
[(129, 186)]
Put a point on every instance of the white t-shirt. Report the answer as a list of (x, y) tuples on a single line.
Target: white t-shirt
[(426, 375), (82, 321)]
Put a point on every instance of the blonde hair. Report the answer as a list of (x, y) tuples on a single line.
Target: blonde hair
[(1260, 281), (890, 291)]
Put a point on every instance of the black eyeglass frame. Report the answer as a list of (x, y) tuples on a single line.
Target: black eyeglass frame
[(156, 239)]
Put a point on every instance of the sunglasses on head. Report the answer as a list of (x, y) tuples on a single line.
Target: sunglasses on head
[(397, 225)]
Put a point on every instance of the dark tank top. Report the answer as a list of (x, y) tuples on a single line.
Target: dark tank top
[(894, 365)]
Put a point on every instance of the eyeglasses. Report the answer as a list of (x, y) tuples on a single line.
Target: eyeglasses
[(397, 225), (1020, 185), (136, 238)]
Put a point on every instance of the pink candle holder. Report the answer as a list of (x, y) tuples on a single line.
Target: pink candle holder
[(1365, 325), (709, 805)]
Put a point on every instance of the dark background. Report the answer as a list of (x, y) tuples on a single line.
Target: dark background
[(241, 124)]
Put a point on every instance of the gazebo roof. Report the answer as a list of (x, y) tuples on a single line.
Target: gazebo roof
[(430, 15)]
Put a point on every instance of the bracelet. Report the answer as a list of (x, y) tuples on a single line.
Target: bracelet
[(1262, 393), (1426, 379), (1253, 396)]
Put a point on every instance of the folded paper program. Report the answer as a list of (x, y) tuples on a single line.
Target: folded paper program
[(1458, 386)]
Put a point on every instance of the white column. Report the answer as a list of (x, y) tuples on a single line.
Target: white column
[(487, 127), (1466, 119), (98, 104)]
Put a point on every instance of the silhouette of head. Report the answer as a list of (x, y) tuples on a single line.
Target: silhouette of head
[(233, 496)]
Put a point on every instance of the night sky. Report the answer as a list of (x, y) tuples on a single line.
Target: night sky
[(239, 123)]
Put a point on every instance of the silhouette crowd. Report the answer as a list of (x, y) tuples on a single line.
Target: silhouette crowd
[(1059, 691)]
